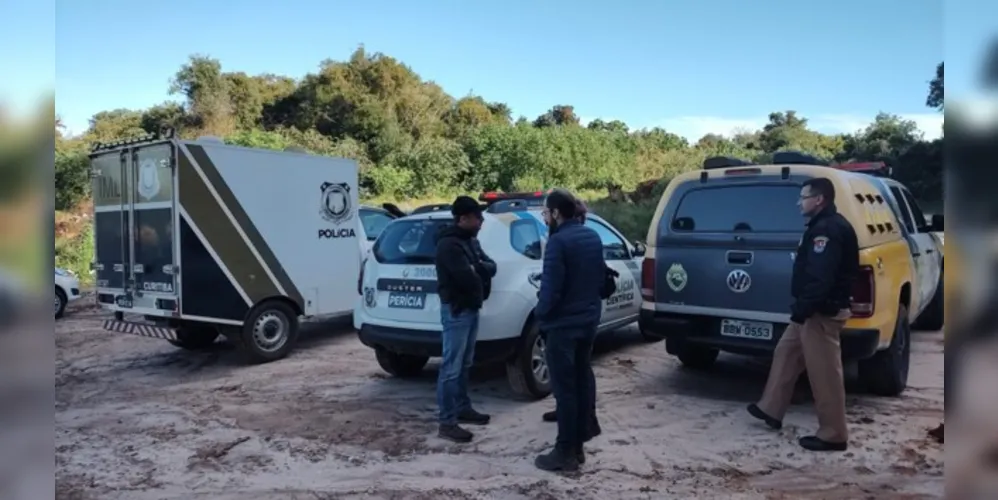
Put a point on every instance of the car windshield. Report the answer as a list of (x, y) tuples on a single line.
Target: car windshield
[(409, 241), (738, 208)]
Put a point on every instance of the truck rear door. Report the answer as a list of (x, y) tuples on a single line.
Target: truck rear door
[(725, 253), (134, 206)]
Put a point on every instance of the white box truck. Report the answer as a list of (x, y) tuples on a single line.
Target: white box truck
[(196, 239)]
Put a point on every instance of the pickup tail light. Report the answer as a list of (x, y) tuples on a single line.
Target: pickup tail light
[(648, 279), (864, 293)]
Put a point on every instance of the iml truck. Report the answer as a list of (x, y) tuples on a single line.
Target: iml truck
[(196, 239)]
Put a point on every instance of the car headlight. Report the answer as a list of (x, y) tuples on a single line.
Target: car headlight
[(62, 272)]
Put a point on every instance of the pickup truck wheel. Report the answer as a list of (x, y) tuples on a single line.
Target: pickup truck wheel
[(692, 356), (60, 302), (270, 332), (195, 337), (932, 318), (886, 373), (527, 372), (400, 365)]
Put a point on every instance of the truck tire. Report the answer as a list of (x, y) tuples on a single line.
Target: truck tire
[(690, 355), (400, 365), (886, 373), (527, 371), (269, 332), (933, 317), (59, 302), (195, 337)]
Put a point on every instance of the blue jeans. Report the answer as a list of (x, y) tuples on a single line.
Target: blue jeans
[(458, 336)]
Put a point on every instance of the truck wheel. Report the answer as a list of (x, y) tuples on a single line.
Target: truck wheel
[(60, 302), (886, 373), (195, 337), (270, 332), (527, 371), (690, 355), (932, 318), (400, 365)]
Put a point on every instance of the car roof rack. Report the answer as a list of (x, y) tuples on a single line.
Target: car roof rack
[(436, 207), (716, 162), (797, 158)]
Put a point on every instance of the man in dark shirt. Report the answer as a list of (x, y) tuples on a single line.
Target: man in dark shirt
[(569, 305), (464, 281), (552, 416), (826, 263)]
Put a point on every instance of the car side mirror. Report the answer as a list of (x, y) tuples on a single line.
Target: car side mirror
[(937, 222), (639, 249)]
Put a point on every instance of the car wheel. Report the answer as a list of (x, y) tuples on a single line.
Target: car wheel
[(60, 303), (270, 332), (195, 337), (647, 336), (527, 371), (932, 318), (886, 373), (400, 365), (692, 356)]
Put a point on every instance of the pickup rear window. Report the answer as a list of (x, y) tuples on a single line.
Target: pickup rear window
[(409, 241), (739, 208)]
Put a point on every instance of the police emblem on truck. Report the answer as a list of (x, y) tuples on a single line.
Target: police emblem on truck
[(335, 207)]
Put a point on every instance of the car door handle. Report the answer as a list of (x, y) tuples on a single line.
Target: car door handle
[(929, 251), (916, 254)]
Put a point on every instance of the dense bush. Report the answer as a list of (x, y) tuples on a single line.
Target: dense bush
[(412, 140)]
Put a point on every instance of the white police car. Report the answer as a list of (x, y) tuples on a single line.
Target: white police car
[(67, 289), (398, 314)]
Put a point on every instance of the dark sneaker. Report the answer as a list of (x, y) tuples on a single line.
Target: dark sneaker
[(454, 433), (814, 443), (580, 455), (558, 460), (757, 412), (594, 430), (473, 417), (551, 416)]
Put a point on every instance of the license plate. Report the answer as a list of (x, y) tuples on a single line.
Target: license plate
[(123, 301), (746, 329), (406, 300)]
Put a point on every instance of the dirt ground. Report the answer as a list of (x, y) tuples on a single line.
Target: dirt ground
[(137, 419)]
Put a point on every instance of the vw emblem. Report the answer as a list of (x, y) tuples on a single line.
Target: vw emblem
[(739, 281)]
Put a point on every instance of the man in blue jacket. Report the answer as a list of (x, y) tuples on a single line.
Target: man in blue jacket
[(569, 304)]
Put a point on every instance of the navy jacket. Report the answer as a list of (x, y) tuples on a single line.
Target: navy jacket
[(827, 262), (572, 279)]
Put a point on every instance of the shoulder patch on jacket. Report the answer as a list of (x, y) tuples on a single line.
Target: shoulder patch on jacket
[(820, 242)]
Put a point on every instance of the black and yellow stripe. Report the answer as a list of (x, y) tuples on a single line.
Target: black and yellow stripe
[(222, 236)]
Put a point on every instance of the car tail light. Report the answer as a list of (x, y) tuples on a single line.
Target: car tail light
[(648, 279), (360, 279), (864, 292)]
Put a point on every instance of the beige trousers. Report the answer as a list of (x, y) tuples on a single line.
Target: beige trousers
[(813, 346)]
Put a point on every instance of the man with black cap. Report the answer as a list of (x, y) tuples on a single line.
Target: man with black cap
[(464, 281)]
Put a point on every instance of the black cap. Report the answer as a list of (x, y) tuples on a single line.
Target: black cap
[(465, 205)]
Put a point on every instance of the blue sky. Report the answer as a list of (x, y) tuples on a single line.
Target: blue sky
[(690, 66)]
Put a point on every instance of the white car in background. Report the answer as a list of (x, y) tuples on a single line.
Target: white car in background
[(398, 314), (67, 289)]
